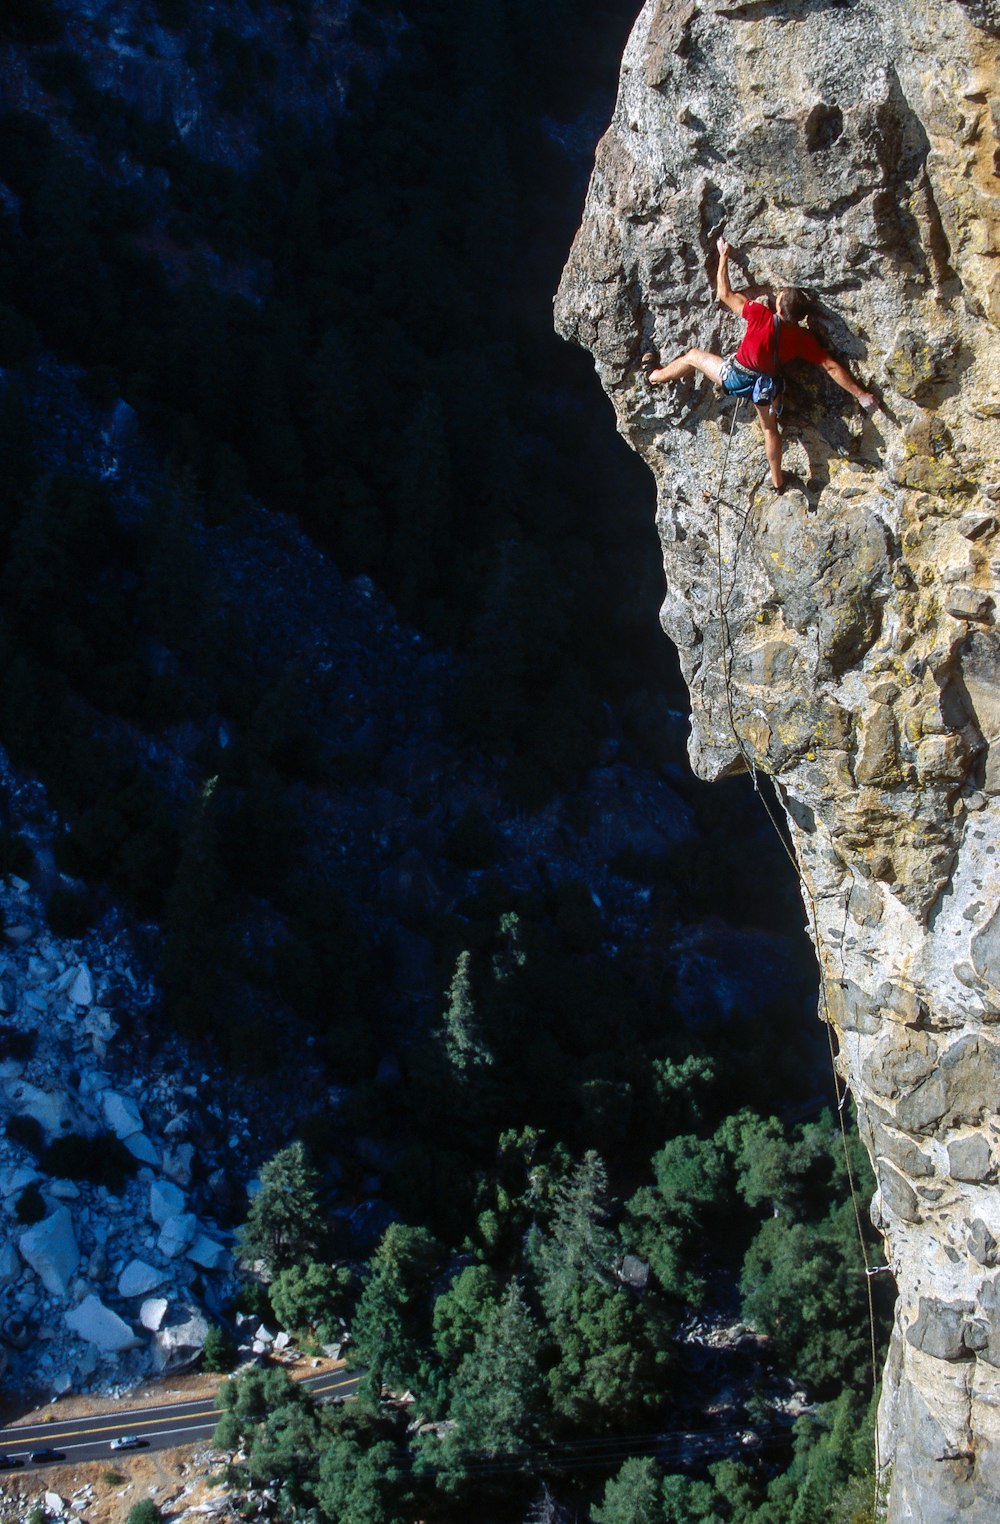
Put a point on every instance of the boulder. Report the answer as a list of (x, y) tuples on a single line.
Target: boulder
[(137, 1278), (209, 1254), (176, 1234), (14, 1179), (165, 1200), (142, 1149), (10, 1263), (50, 1108), (81, 991), (98, 1325), (121, 1114), (51, 1250), (152, 1312), (177, 1163), (181, 1342)]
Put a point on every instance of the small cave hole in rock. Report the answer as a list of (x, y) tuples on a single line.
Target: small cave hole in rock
[(824, 124)]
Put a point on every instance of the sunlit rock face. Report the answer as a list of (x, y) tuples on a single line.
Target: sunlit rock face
[(843, 637)]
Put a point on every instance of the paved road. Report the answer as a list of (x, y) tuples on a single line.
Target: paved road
[(176, 1423)]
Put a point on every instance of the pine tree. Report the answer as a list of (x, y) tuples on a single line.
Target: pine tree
[(579, 1246), (498, 1390), (546, 1509), (634, 1496), (390, 1324), (464, 1046), (284, 1224)]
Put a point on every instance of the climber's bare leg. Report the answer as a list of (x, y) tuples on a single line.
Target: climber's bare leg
[(686, 364), (772, 443)]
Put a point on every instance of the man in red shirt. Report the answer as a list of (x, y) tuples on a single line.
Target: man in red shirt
[(755, 356)]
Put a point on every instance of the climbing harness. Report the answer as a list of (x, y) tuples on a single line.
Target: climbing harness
[(727, 660)]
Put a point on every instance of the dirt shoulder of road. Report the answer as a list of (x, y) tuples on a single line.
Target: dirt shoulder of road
[(108, 1489)]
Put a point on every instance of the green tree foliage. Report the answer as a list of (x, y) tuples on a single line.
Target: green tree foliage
[(803, 1284), (219, 1350), (361, 1478), (390, 1326), (579, 1246), (464, 1048), (461, 1313), (311, 1295), (497, 1394), (274, 1421), (285, 1223), (612, 1365), (634, 1496), (667, 1222)]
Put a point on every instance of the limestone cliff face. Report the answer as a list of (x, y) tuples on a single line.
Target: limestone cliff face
[(851, 148)]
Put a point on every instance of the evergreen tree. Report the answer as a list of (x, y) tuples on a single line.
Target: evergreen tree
[(464, 1046), (390, 1323), (612, 1363), (579, 1246), (497, 1394), (284, 1224), (361, 1478), (311, 1295), (667, 1223), (634, 1496), (460, 1314), (547, 1509)]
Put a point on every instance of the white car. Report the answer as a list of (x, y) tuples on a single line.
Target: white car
[(126, 1442)]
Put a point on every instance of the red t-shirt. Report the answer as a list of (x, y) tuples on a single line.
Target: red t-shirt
[(794, 343)]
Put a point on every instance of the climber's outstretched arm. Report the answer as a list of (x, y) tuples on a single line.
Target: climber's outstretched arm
[(837, 373), (734, 300)]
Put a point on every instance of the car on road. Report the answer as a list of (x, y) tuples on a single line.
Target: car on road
[(46, 1457), (127, 1442), (10, 1462)]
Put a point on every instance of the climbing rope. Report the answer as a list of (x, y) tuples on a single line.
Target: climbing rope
[(870, 1270)]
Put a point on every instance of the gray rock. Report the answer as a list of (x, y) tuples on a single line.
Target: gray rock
[(50, 1248), (10, 1263), (970, 1158), (176, 1234), (165, 1200), (152, 1312), (142, 1149), (81, 991), (181, 1341), (121, 1114), (138, 1278), (98, 1325), (209, 1254), (939, 1329), (177, 1163)]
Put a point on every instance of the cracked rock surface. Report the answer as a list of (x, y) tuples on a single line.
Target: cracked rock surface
[(842, 638)]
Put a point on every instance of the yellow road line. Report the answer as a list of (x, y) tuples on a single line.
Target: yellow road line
[(124, 1423)]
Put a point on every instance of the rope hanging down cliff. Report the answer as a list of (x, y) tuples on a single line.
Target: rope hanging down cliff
[(870, 1271)]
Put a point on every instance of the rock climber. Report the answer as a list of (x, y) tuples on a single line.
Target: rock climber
[(740, 374)]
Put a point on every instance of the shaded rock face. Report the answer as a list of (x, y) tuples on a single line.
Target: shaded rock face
[(842, 638)]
